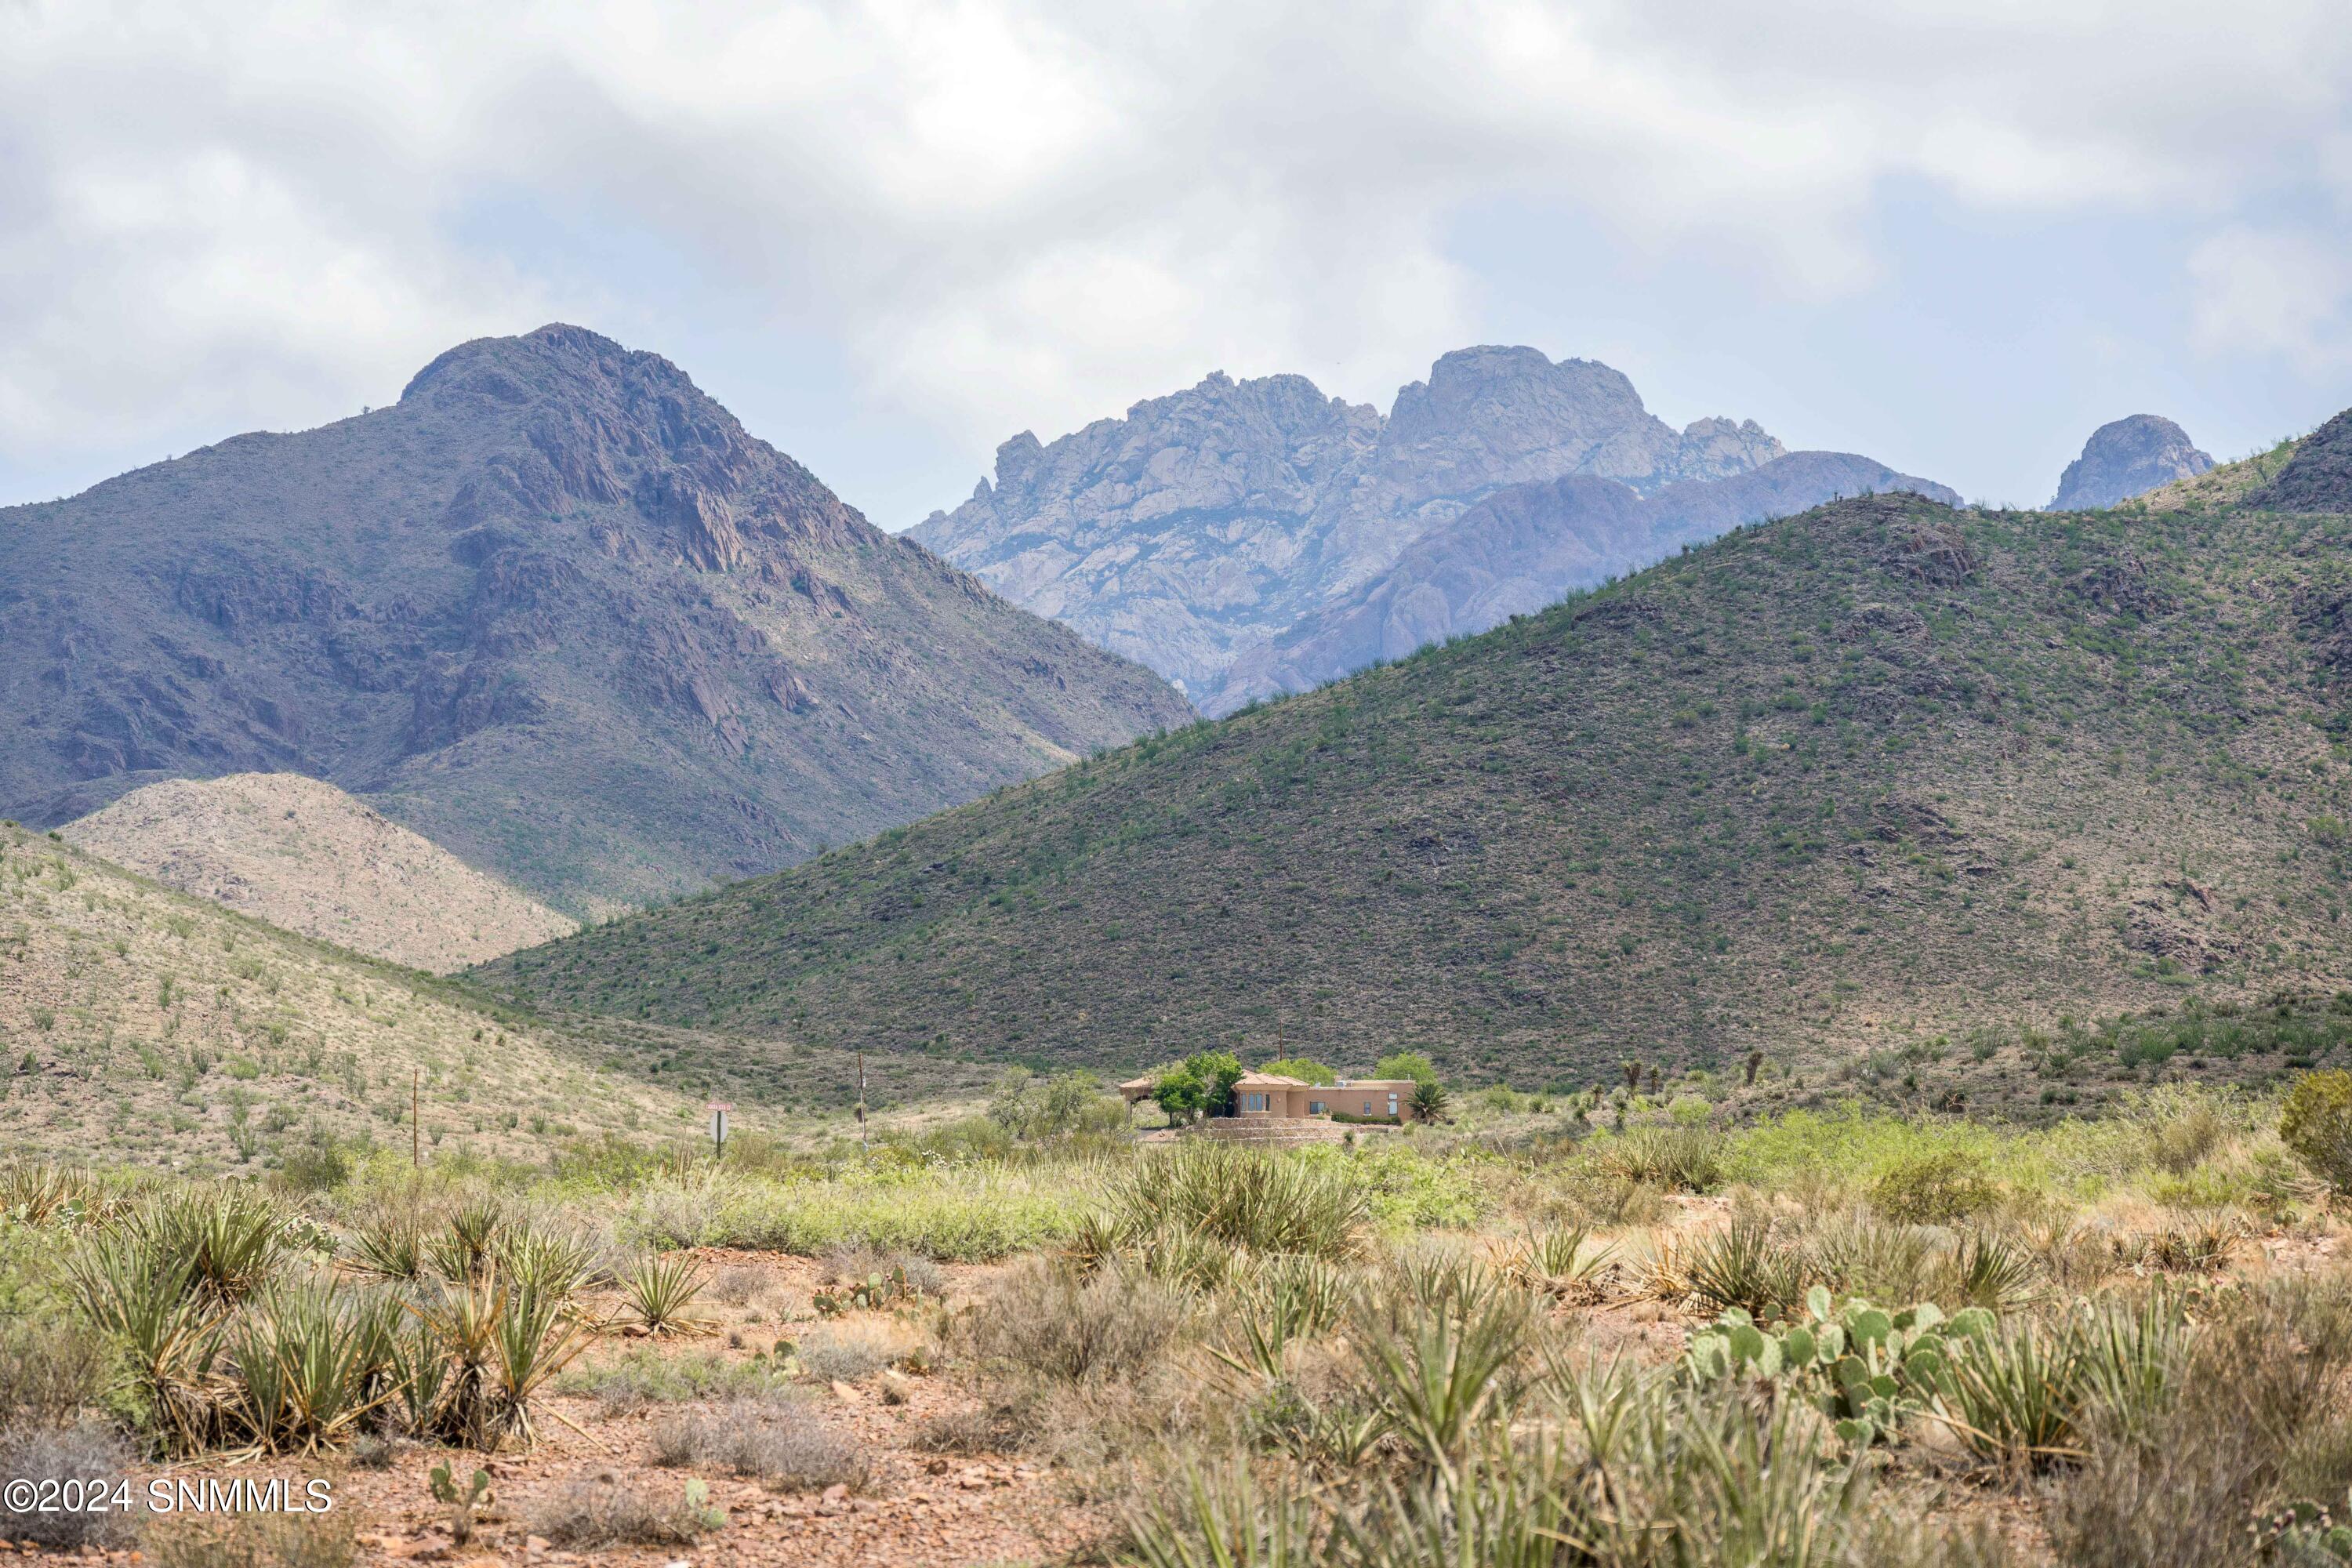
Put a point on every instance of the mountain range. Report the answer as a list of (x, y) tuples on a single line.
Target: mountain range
[(1872, 781), (556, 611), (1247, 538)]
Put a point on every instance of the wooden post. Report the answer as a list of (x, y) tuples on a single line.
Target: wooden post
[(416, 1133), (863, 1146)]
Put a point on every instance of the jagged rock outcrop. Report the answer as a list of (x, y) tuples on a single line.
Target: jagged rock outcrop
[(2318, 477), (556, 610), (2125, 458), (1210, 521), (1526, 547)]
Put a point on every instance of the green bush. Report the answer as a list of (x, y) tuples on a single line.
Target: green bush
[(1934, 1190), (2316, 1124)]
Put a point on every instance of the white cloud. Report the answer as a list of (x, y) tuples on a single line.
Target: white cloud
[(2274, 292), (225, 213)]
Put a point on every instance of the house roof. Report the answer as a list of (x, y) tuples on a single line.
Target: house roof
[(1137, 1083), (1269, 1081)]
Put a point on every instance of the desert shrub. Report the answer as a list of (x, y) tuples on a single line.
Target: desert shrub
[(829, 1357), (1052, 1323), (777, 1442), (603, 1509), (976, 1216), (83, 1453), (260, 1540), (2244, 1426), (1935, 1189), (2316, 1123), (2182, 1127), (737, 1283), (643, 1376), (50, 1371)]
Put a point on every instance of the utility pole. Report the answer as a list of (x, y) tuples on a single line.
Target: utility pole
[(863, 1147), (415, 1135)]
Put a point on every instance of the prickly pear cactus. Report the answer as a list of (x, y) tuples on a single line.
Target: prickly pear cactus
[(1870, 1370)]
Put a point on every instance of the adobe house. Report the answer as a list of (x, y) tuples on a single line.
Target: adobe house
[(1270, 1096)]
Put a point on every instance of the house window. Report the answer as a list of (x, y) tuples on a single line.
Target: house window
[(1316, 1108), (1252, 1102), (1393, 1106), (1367, 1107)]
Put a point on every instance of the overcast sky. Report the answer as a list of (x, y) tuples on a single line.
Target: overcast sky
[(1952, 233)]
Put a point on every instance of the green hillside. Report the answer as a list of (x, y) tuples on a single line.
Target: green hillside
[(1878, 774)]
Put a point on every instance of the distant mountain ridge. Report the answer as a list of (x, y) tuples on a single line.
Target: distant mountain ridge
[(1522, 548), (1207, 530), (556, 610)]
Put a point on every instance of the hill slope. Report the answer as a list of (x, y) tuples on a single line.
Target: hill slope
[(305, 857), (1882, 765), (555, 610), (139, 1023), (1207, 521)]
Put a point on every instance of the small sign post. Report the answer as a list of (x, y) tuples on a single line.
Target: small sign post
[(718, 1110)]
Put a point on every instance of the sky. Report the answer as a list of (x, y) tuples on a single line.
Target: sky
[(1954, 235)]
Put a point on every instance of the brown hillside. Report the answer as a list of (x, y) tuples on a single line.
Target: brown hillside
[(301, 854)]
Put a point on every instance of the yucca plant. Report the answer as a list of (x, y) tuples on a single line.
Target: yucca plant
[(466, 1246), (660, 1292), (2013, 1396), (1562, 1261), (308, 1362), (388, 1248), (34, 1194), (1438, 1376), (232, 1240), (1684, 1159), (1744, 1266), (145, 1301), (1282, 1299), (1861, 1255), (1267, 1203), (1986, 1269), (535, 1340), (554, 1266), (1681, 1477), (1220, 1518)]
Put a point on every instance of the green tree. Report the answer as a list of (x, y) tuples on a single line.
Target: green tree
[(1300, 1068), (1177, 1092), (1218, 1071), (1030, 1107), (1406, 1064), (1430, 1099)]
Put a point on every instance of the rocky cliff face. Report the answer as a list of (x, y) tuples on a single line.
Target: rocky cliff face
[(556, 610), (1526, 547), (2125, 458), (1214, 525)]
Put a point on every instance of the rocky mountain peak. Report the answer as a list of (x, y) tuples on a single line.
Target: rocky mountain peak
[(1205, 522), (2127, 458)]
